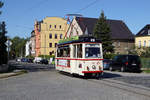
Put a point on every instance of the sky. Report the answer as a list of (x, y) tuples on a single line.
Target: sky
[(19, 15)]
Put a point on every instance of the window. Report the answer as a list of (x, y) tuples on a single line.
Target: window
[(55, 44), (118, 44), (55, 36), (92, 51), (144, 43), (50, 26), (50, 53), (61, 36), (149, 32), (63, 51), (55, 26), (50, 44), (139, 44), (50, 35), (60, 26)]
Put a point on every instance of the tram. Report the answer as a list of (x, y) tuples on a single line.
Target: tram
[(80, 55)]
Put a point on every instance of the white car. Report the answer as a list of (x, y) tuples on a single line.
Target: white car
[(37, 59), (18, 59)]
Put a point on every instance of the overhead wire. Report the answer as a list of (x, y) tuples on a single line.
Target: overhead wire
[(87, 6)]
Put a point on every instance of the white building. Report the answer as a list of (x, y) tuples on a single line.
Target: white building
[(27, 53)]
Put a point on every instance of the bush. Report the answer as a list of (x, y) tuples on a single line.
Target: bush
[(109, 56), (145, 62), (47, 56)]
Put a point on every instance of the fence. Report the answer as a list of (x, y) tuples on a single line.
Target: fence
[(145, 63)]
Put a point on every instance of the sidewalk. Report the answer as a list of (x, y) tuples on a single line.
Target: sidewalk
[(14, 73)]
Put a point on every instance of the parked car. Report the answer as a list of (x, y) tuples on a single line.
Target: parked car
[(30, 60), (37, 59), (126, 63), (18, 59), (24, 59), (44, 61), (106, 64)]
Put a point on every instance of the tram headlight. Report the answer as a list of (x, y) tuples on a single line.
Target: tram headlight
[(94, 67)]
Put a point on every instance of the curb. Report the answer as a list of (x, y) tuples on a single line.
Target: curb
[(6, 75)]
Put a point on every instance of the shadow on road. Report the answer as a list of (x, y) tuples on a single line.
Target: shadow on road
[(104, 76), (110, 75)]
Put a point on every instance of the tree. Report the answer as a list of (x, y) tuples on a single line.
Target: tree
[(18, 46), (3, 39), (102, 31), (1, 4)]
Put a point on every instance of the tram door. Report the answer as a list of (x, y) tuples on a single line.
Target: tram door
[(74, 62), (77, 54)]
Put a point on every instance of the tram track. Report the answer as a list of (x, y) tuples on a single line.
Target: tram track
[(123, 86)]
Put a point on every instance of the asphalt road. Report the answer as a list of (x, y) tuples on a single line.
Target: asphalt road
[(43, 82)]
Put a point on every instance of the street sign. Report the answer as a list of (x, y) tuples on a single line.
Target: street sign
[(8, 43)]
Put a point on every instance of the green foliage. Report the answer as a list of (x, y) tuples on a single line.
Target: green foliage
[(1, 4), (3, 39), (18, 46), (31, 57), (145, 62), (102, 31), (145, 52), (109, 56), (47, 56), (146, 71)]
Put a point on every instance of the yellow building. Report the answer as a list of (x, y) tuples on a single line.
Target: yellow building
[(142, 38), (52, 29)]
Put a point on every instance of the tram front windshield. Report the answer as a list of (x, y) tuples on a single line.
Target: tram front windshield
[(92, 52)]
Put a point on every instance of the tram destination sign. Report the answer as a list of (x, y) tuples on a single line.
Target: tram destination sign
[(92, 45)]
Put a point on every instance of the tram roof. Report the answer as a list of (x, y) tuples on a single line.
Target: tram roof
[(82, 39)]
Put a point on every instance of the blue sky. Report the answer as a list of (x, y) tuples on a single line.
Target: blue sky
[(20, 15)]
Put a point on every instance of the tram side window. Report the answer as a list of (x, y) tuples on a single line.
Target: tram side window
[(63, 52), (59, 52), (79, 51), (66, 52)]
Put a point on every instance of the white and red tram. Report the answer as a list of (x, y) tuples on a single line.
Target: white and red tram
[(83, 56)]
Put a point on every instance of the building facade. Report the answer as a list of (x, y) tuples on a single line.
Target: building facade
[(37, 38), (27, 48), (48, 32), (122, 37), (32, 45), (142, 38)]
